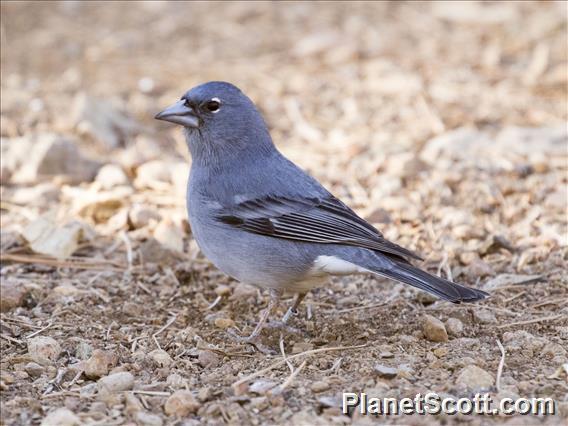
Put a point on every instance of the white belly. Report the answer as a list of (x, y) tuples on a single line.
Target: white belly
[(335, 266), (323, 267)]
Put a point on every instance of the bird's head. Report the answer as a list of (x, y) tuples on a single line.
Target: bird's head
[(217, 116)]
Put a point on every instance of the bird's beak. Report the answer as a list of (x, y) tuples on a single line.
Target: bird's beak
[(179, 113)]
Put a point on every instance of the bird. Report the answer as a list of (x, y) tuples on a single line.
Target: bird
[(264, 221)]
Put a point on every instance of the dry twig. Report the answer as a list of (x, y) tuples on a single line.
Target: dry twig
[(532, 321), (283, 361), (170, 322), (500, 368)]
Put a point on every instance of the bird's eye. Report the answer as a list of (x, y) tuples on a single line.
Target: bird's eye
[(186, 103), (213, 105)]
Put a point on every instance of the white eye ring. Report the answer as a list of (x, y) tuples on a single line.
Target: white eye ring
[(215, 101)]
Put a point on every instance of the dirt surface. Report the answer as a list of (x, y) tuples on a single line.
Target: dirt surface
[(443, 123)]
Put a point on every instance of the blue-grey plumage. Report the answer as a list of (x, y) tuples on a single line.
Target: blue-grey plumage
[(262, 220)]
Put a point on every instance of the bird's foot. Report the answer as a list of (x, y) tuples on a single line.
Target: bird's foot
[(253, 340), (281, 325)]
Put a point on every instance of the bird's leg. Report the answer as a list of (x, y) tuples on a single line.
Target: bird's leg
[(293, 310), (272, 305)]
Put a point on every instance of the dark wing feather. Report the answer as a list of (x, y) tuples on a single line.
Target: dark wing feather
[(316, 220)]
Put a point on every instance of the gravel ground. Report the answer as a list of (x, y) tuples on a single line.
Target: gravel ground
[(444, 124)]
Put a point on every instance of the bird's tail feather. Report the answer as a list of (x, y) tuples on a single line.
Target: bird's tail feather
[(444, 289)]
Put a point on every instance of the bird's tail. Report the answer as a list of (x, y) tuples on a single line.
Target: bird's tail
[(444, 289)]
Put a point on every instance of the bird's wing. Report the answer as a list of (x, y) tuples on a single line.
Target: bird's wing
[(324, 220)]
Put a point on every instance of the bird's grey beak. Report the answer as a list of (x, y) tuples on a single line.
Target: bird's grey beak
[(179, 113)]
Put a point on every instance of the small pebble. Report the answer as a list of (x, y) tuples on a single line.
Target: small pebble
[(386, 355), (83, 351), (405, 339), (181, 403), (133, 404), (13, 295), (98, 407), (175, 381), (319, 386), (262, 386), (223, 290), (243, 292), (329, 401), (61, 417), (7, 377), (116, 382), (34, 369), (21, 375), (386, 372), (144, 418), (440, 352), (484, 316), (204, 394), (43, 350), (111, 175), (140, 216), (208, 359), (454, 327), (259, 403), (302, 347), (434, 329), (161, 357), (405, 371), (479, 269), (99, 363), (224, 323), (88, 390), (474, 377)]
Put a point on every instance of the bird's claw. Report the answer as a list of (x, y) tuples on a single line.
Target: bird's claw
[(281, 325), (253, 340)]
